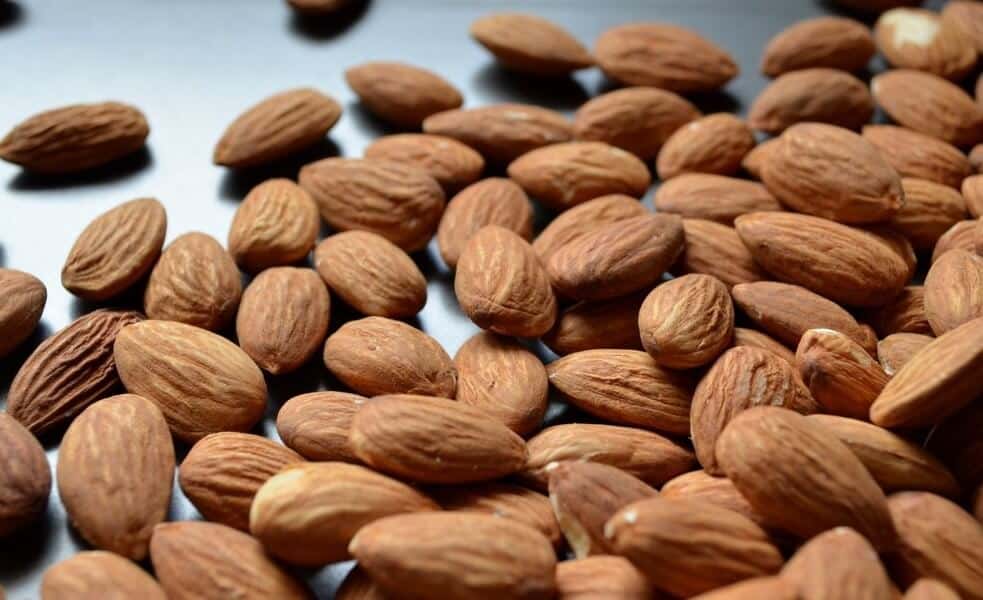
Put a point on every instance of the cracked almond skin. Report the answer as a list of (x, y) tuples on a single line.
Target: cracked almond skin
[(960, 236), (580, 220), (687, 547), (530, 44), (277, 127), (402, 94), (719, 491), (98, 575), (25, 477), (912, 38), (782, 481), (307, 514), (895, 350), (904, 314), (24, 299), (914, 154), (277, 224), (601, 578), (195, 560), (505, 500), (491, 557), (838, 563), (375, 356), (954, 290), (771, 587), (371, 274), (499, 376), (75, 138), (820, 95), (53, 385), (930, 589), (716, 250), (453, 164), (115, 250), (591, 325), (841, 376), (115, 473), (501, 285), (202, 382), (713, 197), (827, 42), (316, 425), (223, 471), (929, 104), (714, 144), (434, 440), (929, 210)]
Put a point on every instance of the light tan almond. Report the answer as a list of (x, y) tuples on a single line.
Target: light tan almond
[(839, 563), (447, 160), (914, 154), (402, 94), (841, 376), (601, 578), (316, 425), (895, 350), (603, 324), (911, 38), (25, 477), (773, 587), (972, 189), (24, 299), (713, 197), (904, 314), (584, 218), (931, 589), (961, 236), (713, 144), (757, 339), (277, 224), (98, 575), (716, 250), (954, 290), (505, 500), (754, 161), (530, 44), (929, 104), (831, 42), (929, 210), (822, 95)]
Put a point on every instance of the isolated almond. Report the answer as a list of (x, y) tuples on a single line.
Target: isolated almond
[(929, 210), (757, 339), (773, 587), (584, 218), (492, 201), (719, 491), (636, 119), (565, 175), (929, 104), (316, 425), (961, 236), (895, 350), (931, 589), (505, 500), (447, 160), (75, 138), (972, 189), (307, 514), (663, 56), (841, 376), (530, 44), (280, 125), (830, 42), (115, 473), (713, 144), (115, 250), (911, 38), (195, 282), (53, 385), (24, 299), (904, 314), (754, 161), (401, 203), (277, 224), (376, 356), (601, 578), (25, 477), (822, 95), (602, 324), (954, 290), (839, 563), (713, 197), (202, 382), (98, 575), (402, 94), (914, 154)]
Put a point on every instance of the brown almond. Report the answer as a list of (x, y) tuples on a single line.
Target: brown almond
[(957, 442), (972, 189), (316, 425), (359, 586), (277, 224), (912, 38), (603, 324), (584, 218), (895, 350), (967, 17), (841, 376), (24, 299), (929, 210), (954, 290), (774, 588), (904, 314), (713, 197), (757, 339), (929, 104), (822, 95), (713, 144), (25, 477), (447, 160), (98, 575), (505, 500), (830, 42), (839, 563), (897, 242), (961, 236), (716, 250), (931, 589), (976, 158), (530, 44), (601, 578), (719, 491), (755, 160), (914, 154), (402, 94)]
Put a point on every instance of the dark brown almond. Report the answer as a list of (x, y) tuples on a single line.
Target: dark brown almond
[(316, 425), (603, 324), (904, 314), (839, 563), (929, 104), (25, 477), (841, 376), (530, 44), (715, 249), (713, 144), (757, 339), (820, 95), (584, 218), (929, 210), (447, 160), (402, 94), (954, 290), (506, 500), (831, 42), (895, 350), (98, 575), (24, 299), (713, 197), (277, 224), (914, 154)]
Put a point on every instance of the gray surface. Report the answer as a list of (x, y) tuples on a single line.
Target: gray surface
[(193, 65)]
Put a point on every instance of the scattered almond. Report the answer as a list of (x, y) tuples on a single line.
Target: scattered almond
[(402, 94), (98, 575), (277, 224), (830, 42), (719, 491), (713, 197), (841, 376), (929, 104), (602, 324), (954, 290), (972, 189), (911, 38), (316, 425), (961, 236), (584, 218), (447, 160), (762, 341), (24, 299), (713, 144), (25, 477), (505, 500), (822, 95), (904, 314), (929, 210), (914, 154), (716, 250), (530, 44), (839, 563)]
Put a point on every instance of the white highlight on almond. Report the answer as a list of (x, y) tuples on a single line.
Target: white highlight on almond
[(911, 27)]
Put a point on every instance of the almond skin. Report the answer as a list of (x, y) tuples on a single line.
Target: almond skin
[(841, 376), (24, 299), (75, 138), (929, 104), (663, 56), (202, 382), (972, 189), (895, 350), (713, 144), (281, 125), (716, 250), (584, 218), (603, 324), (774, 588), (818, 94), (930, 589), (115, 473), (757, 339), (25, 477), (98, 575), (911, 38), (839, 563), (447, 160), (904, 314), (402, 94), (914, 154), (601, 578), (434, 440), (755, 160), (830, 42), (719, 491), (713, 197), (375, 356), (954, 290), (530, 44), (505, 500), (115, 250), (961, 236), (316, 425), (929, 210), (277, 224), (967, 17)]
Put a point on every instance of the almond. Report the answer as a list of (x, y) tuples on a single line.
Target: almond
[(75, 138), (929, 104), (202, 382), (897, 242), (929, 210), (895, 350), (24, 299), (841, 376), (961, 236), (839, 563), (601, 578), (774, 588), (402, 94), (966, 16), (716, 250), (280, 125), (713, 197), (931, 589), (911, 38), (530, 44), (713, 144), (584, 218), (757, 339), (317, 425), (447, 160), (25, 477), (817, 94), (976, 158), (602, 324), (277, 224), (957, 442), (307, 514), (972, 189), (195, 282), (53, 385), (719, 491), (98, 575), (754, 161), (954, 290), (904, 314), (115, 473), (505, 500), (914, 154), (830, 42), (663, 56)]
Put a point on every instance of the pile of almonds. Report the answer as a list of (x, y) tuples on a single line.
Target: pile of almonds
[(772, 406)]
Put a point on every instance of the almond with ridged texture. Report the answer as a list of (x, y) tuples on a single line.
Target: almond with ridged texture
[(283, 318), (713, 144), (911, 38), (783, 481), (75, 138), (499, 376), (931, 589), (565, 175), (202, 382), (407, 555), (954, 290), (818, 94), (447, 160), (897, 242), (25, 477), (972, 189), (961, 236), (530, 44), (402, 203), (719, 491), (277, 224), (505, 500), (929, 104), (115, 473), (584, 218), (195, 282), (53, 385), (713, 197), (502, 286), (277, 127), (663, 56), (502, 132), (98, 575), (773, 588), (636, 119), (716, 250), (895, 350), (601, 578), (904, 314), (929, 210), (492, 201), (841, 376), (914, 154), (196, 561), (24, 299), (754, 161), (839, 563), (307, 514), (316, 425), (756, 339), (115, 250), (603, 324), (375, 356), (829, 42), (434, 440), (402, 94)]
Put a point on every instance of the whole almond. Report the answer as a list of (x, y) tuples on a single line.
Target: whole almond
[(929, 104), (830, 42), (53, 385), (375, 356), (584, 218), (895, 350), (115, 473), (530, 44), (492, 201), (24, 299), (499, 376), (76, 137), (911, 38), (972, 189), (841, 376), (961, 236), (603, 324), (773, 587), (954, 290), (756, 339), (663, 56), (115, 250), (929, 210), (195, 282), (98, 575), (966, 16), (601, 578), (914, 154), (307, 514), (716, 250), (931, 589), (567, 174), (755, 160), (277, 224), (402, 94), (904, 314), (719, 491), (505, 500), (897, 242), (636, 119), (402, 203), (434, 440), (447, 160), (713, 197), (821, 95), (25, 477), (202, 382), (316, 425), (713, 144), (280, 125), (839, 563)]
